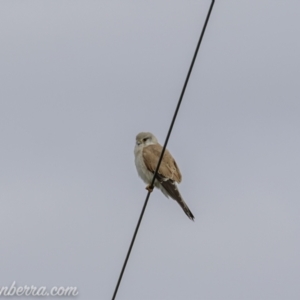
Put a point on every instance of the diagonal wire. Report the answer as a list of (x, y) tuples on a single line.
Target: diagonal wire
[(164, 147)]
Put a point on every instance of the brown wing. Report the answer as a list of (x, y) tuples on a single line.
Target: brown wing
[(168, 167)]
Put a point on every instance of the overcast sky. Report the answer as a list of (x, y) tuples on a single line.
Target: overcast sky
[(79, 80)]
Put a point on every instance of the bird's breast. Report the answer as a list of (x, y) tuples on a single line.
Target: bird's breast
[(141, 168)]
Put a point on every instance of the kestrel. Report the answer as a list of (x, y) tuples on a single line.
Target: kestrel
[(147, 152)]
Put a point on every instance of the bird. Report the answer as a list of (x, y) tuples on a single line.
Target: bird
[(147, 151)]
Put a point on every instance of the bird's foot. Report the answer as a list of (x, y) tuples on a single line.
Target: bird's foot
[(149, 188)]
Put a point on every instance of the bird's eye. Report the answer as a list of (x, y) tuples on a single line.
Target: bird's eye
[(145, 139)]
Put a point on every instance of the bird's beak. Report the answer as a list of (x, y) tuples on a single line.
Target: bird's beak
[(138, 143)]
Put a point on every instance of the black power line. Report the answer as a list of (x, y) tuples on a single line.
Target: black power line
[(164, 147)]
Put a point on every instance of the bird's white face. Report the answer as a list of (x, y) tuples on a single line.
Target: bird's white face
[(144, 139)]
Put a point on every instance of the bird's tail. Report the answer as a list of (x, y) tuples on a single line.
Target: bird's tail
[(186, 209), (171, 190)]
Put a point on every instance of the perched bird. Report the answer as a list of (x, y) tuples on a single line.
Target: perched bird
[(147, 152)]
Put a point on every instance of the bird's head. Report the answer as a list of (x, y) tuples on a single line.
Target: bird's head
[(144, 139)]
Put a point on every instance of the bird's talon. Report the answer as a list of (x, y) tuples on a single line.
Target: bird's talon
[(149, 188)]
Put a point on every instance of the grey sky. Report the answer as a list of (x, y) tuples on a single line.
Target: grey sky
[(79, 80)]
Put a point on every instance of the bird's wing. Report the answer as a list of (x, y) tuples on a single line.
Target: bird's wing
[(168, 173), (168, 167)]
